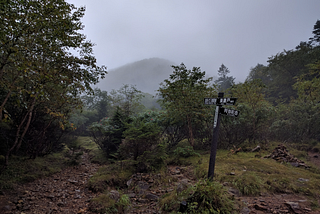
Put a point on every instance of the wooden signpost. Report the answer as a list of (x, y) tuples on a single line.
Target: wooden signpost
[(219, 102)]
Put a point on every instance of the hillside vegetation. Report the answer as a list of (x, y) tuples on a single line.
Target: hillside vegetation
[(51, 118)]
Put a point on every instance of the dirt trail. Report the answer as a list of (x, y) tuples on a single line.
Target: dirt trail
[(67, 192), (64, 192)]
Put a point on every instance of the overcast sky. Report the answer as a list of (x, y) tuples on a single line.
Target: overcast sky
[(199, 33)]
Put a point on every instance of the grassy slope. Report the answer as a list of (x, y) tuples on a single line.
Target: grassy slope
[(252, 175)]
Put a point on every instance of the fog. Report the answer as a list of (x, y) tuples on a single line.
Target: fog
[(203, 33)]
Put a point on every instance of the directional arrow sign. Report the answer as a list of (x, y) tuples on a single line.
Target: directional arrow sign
[(229, 112), (220, 101), (211, 101)]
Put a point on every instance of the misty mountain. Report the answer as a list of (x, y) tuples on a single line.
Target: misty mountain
[(146, 74)]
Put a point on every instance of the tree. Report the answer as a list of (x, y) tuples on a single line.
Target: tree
[(128, 99), (316, 32), (255, 110), (224, 81), (285, 67), (182, 95), (259, 72), (99, 101), (38, 67)]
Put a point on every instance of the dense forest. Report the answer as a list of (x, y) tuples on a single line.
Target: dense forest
[(47, 69)]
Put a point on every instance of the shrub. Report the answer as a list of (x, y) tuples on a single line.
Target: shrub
[(105, 204), (210, 197), (185, 152), (204, 197), (248, 184)]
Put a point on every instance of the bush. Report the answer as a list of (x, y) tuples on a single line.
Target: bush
[(185, 152), (105, 204), (204, 197), (248, 184), (153, 160), (210, 197)]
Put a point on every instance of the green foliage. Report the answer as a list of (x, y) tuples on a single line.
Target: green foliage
[(141, 136), (210, 197), (151, 161), (255, 115), (105, 204), (284, 67), (22, 169), (108, 132), (224, 81), (248, 184), (182, 96), (316, 32), (40, 74), (204, 197), (127, 98), (297, 121), (99, 101), (112, 175), (185, 152)]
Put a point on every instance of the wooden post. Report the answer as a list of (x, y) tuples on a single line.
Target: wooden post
[(215, 137)]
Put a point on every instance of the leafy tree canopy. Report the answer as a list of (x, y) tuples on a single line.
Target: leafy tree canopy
[(183, 95), (224, 81)]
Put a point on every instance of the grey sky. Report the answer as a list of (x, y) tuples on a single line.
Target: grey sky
[(201, 33)]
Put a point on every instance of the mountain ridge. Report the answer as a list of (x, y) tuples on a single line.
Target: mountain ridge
[(145, 74)]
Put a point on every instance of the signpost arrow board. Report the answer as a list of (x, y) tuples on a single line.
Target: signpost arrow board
[(220, 101), (229, 112)]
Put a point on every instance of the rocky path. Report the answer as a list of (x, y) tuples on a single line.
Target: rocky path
[(64, 192), (145, 189), (67, 192), (281, 203)]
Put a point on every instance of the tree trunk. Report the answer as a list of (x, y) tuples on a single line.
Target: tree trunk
[(3, 103), (190, 131), (29, 113)]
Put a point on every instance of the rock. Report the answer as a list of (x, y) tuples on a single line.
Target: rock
[(234, 192), (114, 194), (245, 210), (183, 207), (141, 200), (50, 196), (142, 186), (232, 173), (295, 164), (73, 181), (129, 182), (131, 195), (77, 196), (7, 208), (183, 185), (152, 197), (260, 207), (294, 207), (281, 154), (60, 204), (257, 149)]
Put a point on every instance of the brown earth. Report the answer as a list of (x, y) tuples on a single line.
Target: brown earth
[(64, 192), (67, 192)]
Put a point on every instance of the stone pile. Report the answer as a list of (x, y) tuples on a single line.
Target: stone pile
[(281, 154)]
